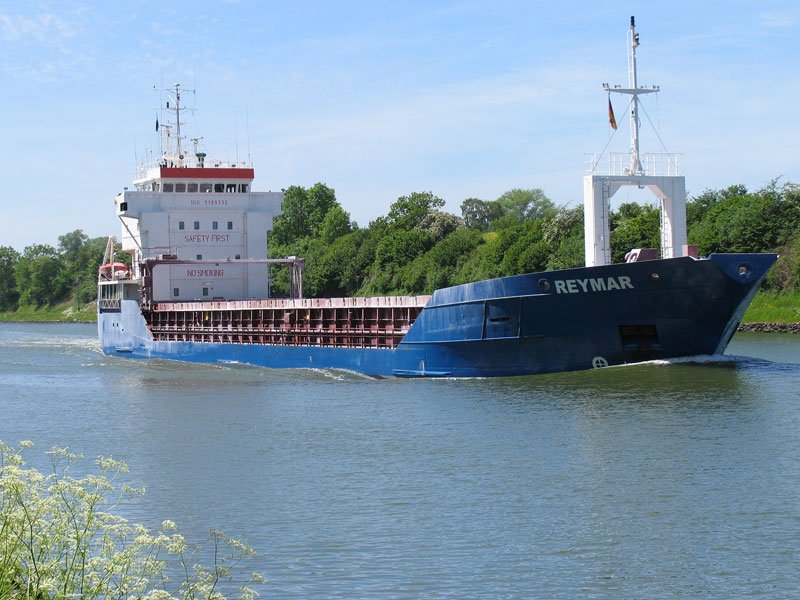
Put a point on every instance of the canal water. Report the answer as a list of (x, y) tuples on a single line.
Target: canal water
[(672, 480)]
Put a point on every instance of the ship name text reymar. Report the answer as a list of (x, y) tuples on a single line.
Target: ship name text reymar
[(593, 284)]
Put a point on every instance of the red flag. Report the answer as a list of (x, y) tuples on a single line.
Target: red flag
[(611, 118)]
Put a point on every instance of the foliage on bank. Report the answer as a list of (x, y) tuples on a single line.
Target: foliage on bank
[(42, 276), (61, 536), (417, 247)]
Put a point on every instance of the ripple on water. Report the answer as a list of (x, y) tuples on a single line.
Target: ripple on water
[(658, 480)]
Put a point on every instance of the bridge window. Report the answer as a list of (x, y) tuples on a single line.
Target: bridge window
[(243, 188), (230, 188), (181, 225), (191, 187), (205, 187), (238, 256), (168, 187), (230, 224), (176, 291), (205, 291), (197, 224), (219, 188), (215, 225), (180, 187), (199, 257)]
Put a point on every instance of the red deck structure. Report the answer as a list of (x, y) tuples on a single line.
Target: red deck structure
[(379, 322)]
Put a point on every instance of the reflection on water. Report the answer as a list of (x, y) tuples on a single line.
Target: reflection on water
[(656, 480)]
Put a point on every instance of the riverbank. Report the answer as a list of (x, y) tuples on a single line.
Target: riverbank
[(771, 327), (61, 313), (771, 309)]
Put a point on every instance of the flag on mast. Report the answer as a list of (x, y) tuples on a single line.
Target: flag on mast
[(611, 118)]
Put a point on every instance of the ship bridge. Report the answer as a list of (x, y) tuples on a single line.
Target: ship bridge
[(202, 216), (195, 175)]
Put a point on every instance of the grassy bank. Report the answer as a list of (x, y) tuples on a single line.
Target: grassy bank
[(771, 307), (61, 313)]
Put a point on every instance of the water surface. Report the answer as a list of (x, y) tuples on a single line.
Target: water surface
[(676, 480)]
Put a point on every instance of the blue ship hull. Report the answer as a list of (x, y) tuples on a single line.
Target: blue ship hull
[(521, 325)]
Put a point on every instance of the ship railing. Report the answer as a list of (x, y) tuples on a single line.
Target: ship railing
[(119, 275), (110, 303), (158, 252), (618, 164)]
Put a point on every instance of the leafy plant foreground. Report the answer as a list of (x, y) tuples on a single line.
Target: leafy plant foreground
[(60, 538)]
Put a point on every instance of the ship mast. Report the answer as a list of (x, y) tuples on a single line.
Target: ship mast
[(657, 172), (635, 91), (174, 155), (178, 122)]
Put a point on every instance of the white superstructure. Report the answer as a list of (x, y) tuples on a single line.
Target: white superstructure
[(202, 211), (657, 172)]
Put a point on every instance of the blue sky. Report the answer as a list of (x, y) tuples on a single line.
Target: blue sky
[(381, 99)]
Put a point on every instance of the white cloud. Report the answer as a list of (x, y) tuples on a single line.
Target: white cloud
[(778, 20), (45, 26), (47, 45)]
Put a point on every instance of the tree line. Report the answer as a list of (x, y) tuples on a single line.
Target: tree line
[(43, 275), (417, 247)]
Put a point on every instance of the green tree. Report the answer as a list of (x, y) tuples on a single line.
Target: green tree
[(335, 224), (753, 222), (303, 213), (439, 224), (352, 255), (395, 249), (40, 276), (785, 275), (438, 267), (697, 207), (84, 269), (70, 244), (8, 283), (479, 214), (342, 271), (524, 205), (563, 232), (408, 211), (401, 247), (634, 226), (520, 248)]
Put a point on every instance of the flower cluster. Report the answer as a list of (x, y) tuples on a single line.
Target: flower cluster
[(60, 538)]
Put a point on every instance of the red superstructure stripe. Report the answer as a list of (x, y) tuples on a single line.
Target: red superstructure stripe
[(206, 173)]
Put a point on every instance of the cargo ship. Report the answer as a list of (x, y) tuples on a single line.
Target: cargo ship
[(197, 288)]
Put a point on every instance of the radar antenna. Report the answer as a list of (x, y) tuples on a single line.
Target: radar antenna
[(174, 155)]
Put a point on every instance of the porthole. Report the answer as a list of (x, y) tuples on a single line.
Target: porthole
[(655, 276)]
